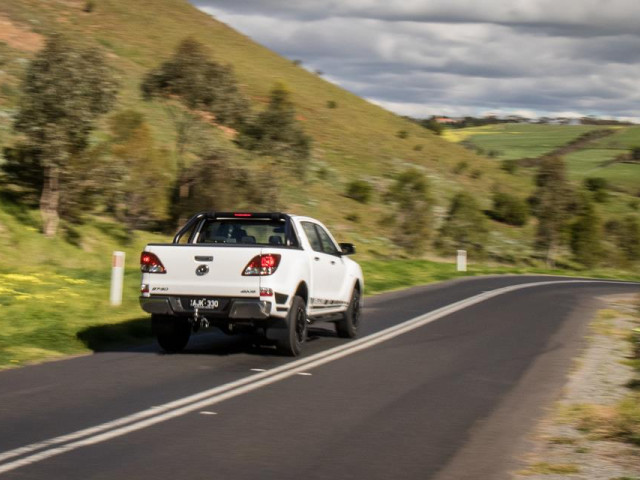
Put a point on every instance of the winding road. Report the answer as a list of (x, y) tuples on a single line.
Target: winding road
[(444, 382)]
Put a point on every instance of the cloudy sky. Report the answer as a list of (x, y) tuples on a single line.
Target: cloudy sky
[(460, 57)]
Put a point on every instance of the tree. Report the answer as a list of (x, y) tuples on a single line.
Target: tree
[(65, 89), (586, 234), (629, 238), (215, 184), (275, 132), (465, 226), (138, 172), (433, 125), (411, 196), (199, 83), (552, 200)]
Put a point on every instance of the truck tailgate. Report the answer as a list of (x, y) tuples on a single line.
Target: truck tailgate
[(204, 270)]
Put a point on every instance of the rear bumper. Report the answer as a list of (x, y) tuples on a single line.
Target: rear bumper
[(237, 308)]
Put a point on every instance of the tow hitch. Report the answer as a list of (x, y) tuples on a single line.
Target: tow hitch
[(199, 321)]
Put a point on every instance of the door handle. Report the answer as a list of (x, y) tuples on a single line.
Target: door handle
[(316, 258), (333, 262)]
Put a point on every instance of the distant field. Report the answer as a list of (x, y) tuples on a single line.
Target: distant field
[(514, 140)]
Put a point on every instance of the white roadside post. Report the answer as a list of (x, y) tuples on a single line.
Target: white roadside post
[(117, 278), (462, 260)]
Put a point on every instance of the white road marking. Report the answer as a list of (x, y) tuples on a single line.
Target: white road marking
[(207, 398), (306, 374), (258, 370), (206, 412)]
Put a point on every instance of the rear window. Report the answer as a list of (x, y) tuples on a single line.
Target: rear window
[(244, 232)]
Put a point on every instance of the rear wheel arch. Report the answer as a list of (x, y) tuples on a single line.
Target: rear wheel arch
[(303, 292)]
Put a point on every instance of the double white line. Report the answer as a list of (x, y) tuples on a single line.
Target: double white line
[(39, 451)]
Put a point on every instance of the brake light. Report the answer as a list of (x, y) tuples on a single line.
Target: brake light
[(242, 215), (150, 263), (262, 265)]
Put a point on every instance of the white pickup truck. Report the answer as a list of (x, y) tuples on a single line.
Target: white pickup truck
[(271, 273)]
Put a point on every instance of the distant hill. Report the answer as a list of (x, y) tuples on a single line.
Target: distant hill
[(352, 138)]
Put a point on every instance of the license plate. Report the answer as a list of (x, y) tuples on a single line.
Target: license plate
[(203, 303)]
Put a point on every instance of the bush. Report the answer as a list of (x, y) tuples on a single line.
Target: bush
[(460, 167), (402, 134), (410, 194), (635, 153), (359, 190), (586, 236), (332, 104), (464, 228), (509, 209), (509, 166), (599, 187)]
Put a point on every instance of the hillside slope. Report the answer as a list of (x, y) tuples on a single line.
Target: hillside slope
[(355, 140)]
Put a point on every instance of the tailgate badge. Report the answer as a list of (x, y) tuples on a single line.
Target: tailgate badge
[(202, 270)]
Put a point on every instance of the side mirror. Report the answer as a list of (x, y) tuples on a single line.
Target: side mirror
[(347, 248)]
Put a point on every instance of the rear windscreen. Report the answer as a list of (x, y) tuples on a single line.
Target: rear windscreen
[(245, 232)]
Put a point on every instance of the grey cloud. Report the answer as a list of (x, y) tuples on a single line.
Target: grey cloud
[(542, 55)]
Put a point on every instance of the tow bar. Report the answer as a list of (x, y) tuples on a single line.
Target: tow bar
[(199, 321)]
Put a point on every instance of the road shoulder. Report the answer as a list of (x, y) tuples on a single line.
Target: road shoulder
[(584, 434)]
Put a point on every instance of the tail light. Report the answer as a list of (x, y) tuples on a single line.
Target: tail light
[(262, 265), (150, 263)]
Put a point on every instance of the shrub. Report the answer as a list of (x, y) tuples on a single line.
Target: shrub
[(410, 194), (402, 134), (359, 190), (464, 228), (460, 167), (509, 209), (332, 104), (598, 186), (509, 166), (635, 153), (585, 235), (418, 148)]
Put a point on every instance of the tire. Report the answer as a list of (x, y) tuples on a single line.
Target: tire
[(347, 327), (292, 338), (172, 332)]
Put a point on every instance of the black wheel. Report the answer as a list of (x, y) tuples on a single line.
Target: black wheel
[(290, 343), (172, 332), (347, 327)]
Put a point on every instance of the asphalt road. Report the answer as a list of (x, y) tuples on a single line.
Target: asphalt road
[(448, 395)]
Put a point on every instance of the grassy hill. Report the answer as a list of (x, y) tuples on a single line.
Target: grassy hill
[(355, 140)]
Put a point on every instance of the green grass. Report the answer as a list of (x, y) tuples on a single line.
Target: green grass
[(514, 140)]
